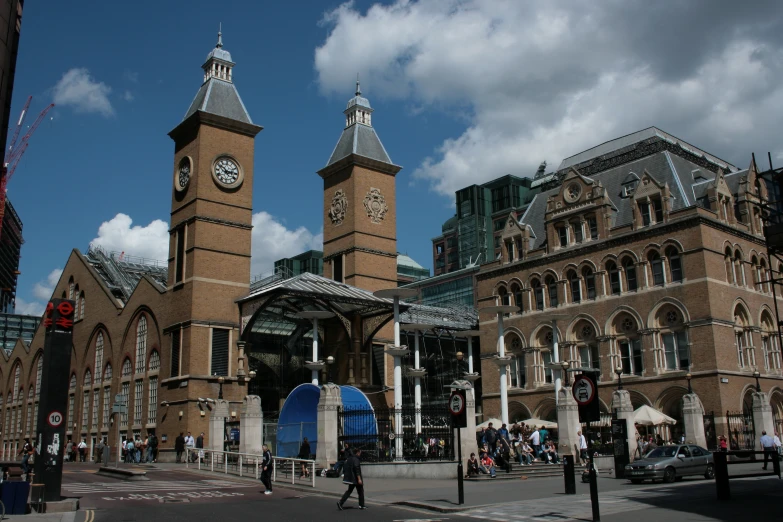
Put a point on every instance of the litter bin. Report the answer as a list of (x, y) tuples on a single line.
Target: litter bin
[(14, 496)]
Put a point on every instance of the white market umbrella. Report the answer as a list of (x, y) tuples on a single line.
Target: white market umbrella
[(647, 416), (537, 423), (496, 423)]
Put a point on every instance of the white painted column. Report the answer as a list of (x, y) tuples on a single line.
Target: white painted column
[(397, 384), (502, 369), (417, 382), (556, 359), (315, 349)]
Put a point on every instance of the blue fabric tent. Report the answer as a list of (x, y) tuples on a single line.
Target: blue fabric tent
[(299, 418)]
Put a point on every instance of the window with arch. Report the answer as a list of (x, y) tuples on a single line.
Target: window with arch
[(764, 276), (629, 269), (614, 278), (656, 267), (503, 297), (71, 402), (76, 303), (770, 343), (86, 400), (81, 306), (551, 286), (517, 367), (574, 286), (585, 351), (675, 264), (516, 291), (728, 259), (538, 294), (628, 344), (589, 277), (98, 355), (38, 375), (743, 339), (127, 368), (542, 355), (107, 373), (739, 270), (71, 287), (29, 420), (673, 339), (17, 376), (141, 344), (154, 361)]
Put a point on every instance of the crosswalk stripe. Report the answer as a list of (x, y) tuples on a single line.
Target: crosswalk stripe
[(101, 487)]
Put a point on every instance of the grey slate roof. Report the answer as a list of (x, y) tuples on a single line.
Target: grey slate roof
[(361, 140), (219, 97), (663, 166)]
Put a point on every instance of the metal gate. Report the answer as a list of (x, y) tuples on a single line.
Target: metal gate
[(742, 434), (710, 434)]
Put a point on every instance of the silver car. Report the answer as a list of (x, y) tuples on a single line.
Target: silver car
[(670, 463)]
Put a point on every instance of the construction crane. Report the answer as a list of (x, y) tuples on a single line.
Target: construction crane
[(15, 153)]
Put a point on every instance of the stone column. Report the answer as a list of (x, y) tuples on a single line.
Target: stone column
[(251, 426), (762, 416), (621, 403), (567, 422), (241, 349), (327, 448), (693, 420), (469, 444), (217, 423)]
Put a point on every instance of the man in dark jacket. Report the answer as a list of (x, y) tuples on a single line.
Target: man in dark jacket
[(179, 446), (267, 466), (352, 475)]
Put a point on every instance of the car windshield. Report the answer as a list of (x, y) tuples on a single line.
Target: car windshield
[(662, 453)]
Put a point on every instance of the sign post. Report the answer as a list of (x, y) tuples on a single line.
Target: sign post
[(585, 391), (55, 376), (459, 420)]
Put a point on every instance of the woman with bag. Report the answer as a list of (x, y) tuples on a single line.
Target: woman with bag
[(304, 454)]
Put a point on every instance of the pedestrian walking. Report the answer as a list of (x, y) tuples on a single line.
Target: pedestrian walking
[(26, 452), (768, 447), (352, 475), (190, 444), (179, 446), (130, 451), (304, 454), (200, 446), (99, 452), (69, 450), (267, 466), (152, 452), (82, 451), (582, 446)]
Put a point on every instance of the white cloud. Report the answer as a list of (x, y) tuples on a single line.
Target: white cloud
[(118, 235), (272, 240), (43, 289), (128, 96), (78, 89), (31, 308), (545, 80)]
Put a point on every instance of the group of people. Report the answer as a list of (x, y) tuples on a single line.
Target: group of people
[(72, 450), (187, 443), (499, 447), (136, 450)]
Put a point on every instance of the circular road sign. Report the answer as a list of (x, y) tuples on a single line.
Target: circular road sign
[(55, 419), (391, 436), (456, 404), (583, 390)]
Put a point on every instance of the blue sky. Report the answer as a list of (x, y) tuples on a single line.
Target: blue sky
[(463, 91)]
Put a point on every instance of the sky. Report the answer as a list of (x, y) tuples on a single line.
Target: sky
[(464, 91)]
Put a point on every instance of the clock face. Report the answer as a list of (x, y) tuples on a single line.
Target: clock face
[(183, 173), (226, 171)]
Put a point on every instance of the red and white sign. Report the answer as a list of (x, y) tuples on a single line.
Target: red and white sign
[(456, 404), (55, 419), (583, 390)]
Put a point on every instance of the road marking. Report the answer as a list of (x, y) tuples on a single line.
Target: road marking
[(89, 516), (153, 485)]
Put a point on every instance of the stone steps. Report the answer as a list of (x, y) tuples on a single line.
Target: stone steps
[(537, 469)]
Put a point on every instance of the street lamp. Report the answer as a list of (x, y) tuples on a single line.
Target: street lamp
[(220, 380), (566, 365), (688, 378), (329, 363), (756, 376), (619, 372), (460, 356)]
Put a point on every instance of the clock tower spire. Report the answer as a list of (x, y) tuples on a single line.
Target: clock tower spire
[(211, 220)]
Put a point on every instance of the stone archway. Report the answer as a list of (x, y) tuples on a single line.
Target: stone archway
[(547, 410), (776, 402), (670, 403), (517, 412)]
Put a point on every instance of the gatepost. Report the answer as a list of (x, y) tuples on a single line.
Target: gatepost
[(329, 405), (217, 427), (693, 420), (251, 426), (55, 376), (623, 410), (762, 416)]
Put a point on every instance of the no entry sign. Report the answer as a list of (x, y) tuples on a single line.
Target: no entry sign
[(55, 419), (585, 391)]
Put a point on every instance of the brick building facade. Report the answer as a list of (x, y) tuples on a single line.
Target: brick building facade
[(654, 251)]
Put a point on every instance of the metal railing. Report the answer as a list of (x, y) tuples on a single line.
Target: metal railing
[(249, 465)]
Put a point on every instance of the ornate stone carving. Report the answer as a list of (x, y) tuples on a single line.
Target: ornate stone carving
[(339, 206), (375, 205)]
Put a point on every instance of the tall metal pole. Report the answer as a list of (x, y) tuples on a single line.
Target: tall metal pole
[(460, 470), (556, 359), (502, 368), (397, 384), (315, 349), (470, 365), (417, 382)]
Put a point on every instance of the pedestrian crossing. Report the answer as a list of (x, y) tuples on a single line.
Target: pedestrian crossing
[(82, 488)]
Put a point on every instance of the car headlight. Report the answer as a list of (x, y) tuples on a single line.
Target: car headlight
[(628, 467), (650, 466)]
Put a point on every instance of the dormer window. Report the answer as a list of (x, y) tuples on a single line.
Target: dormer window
[(644, 210), (592, 223), (650, 210), (563, 233), (577, 226)]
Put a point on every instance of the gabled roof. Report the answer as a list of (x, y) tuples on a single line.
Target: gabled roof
[(221, 98), (121, 274), (361, 140)]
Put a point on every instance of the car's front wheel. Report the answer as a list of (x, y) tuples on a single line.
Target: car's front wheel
[(669, 475), (710, 473)]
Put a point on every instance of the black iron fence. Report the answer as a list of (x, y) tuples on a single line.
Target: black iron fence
[(710, 434), (742, 435), (373, 431)]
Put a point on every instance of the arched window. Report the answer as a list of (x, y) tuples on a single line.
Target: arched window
[(614, 278), (551, 286), (770, 343), (629, 267), (71, 402), (81, 307), (673, 339), (516, 291), (538, 293), (764, 276), (127, 368), (107, 373), (76, 303), (743, 339), (141, 344), (656, 267), (503, 297), (154, 361), (589, 277), (38, 375), (70, 288), (516, 369), (86, 400), (575, 286), (17, 376), (628, 345), (98, 355), (731, 276), (739, 270), (675, 264)]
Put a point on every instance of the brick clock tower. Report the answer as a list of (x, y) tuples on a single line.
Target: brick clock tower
[(360, 226), (211, 212)]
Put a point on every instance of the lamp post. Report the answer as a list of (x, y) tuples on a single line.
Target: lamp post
[(688, 378), (501, 360), (756, 375), (565, 365), (315, 365), (460, 356), (397, 352), (619, 372), (329, 364), (220, 380)]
